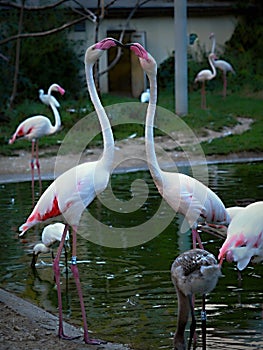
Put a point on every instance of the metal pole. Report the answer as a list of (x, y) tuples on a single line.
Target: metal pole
[(180, 28)]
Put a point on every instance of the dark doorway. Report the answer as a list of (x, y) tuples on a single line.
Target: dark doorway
[(126, 77)]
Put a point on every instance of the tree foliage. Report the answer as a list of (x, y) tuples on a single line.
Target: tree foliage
[(43, 60)]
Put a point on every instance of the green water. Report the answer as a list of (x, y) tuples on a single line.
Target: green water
[(128, 293)]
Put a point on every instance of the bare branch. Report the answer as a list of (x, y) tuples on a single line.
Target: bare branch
[(118, 55), (39, 34), (4, 57), (31, 8), (90, 15)]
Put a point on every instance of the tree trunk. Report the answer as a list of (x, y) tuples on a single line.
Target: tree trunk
[(17, 61)]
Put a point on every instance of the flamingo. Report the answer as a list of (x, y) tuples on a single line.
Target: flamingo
[(194, 271), (224, 66), (183, 193), (74, 190), (37, 126), (145, 96), (50, 235), (244, 237), (205, 75), (221, 230), (46, 98)]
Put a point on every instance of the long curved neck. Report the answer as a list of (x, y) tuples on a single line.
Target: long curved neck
[(108, 140), (213, 44), (182, 318), (56, 127), (211, 61), (153, 165)]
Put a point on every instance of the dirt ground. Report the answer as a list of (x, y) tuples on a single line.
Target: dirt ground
[(129, 155), (23, 325)]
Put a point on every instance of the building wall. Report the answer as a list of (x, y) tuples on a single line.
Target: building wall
[(160, 35)]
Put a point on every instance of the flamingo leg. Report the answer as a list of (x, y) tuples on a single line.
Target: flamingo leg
[(224, 84), (203, 318), (38, 169), (56, 269), (32, 164), (203, 95), (75, 272), (193, 323), (196, 238)]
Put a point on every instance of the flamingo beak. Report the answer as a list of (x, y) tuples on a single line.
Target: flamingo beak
[(138, 49), (107, 43)]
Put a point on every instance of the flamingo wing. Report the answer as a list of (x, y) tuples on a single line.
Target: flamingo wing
[(244, 236), (79, 190), (32, 128)]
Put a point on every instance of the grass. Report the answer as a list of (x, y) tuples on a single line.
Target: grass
[(220, 113)]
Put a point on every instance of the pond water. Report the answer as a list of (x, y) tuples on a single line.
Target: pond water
[(129, 296)]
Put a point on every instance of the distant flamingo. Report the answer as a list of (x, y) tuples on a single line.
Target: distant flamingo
[(244, 237), (50, 235), (224, 66), (37, 126), (183, 193), (145, 96), (47, 98), (206, 75), (74, 190), (193, 272)]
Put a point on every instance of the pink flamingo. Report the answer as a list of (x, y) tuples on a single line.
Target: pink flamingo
[(224, 66), (206, 75), (244, 237), (37, 126), (75, 189), (193, 272), (183, 193)]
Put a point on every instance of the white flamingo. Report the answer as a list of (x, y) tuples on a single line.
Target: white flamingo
[(68, 196), (145, 96), (244, 237), (38, 126), (51, 234), (183, 193), (206, 75), (193, 272), (47, 98), (222, 65)]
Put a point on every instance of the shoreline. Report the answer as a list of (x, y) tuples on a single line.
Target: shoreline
[(16, 169)]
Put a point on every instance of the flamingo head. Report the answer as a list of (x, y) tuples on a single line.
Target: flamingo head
[(148, 63), (94, 52), (213, 56), (139, 50), (212, 35), (55, 87), (107, 43)]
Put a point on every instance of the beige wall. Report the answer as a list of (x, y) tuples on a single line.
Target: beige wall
[(160, 34)]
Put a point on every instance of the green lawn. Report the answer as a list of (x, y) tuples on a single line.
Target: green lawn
[(221, 112)]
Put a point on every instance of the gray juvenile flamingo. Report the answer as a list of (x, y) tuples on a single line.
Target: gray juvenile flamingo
[(193, 272)]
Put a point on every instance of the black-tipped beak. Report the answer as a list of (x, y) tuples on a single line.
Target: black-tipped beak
[(118, 43), (138, 49)]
